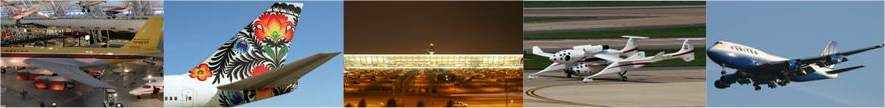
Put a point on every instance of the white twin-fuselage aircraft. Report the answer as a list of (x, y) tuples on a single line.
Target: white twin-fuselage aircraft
[(763, 68), (247, 68), (594, 60)]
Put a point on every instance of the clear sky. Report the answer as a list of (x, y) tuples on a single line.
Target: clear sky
[(801, 30), (193, 30)]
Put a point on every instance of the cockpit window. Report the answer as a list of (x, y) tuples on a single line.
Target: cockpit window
[(145, 86)]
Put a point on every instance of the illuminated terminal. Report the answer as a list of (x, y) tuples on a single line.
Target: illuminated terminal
[(435, 61)]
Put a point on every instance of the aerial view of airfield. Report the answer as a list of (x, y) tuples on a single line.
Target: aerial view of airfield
[(432, 54), (795, 54), (81, 53), (614, 53)]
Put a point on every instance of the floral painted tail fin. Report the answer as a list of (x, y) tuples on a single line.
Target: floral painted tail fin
[(261, 46)]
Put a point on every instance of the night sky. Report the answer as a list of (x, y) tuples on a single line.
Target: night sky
[(407, 27)]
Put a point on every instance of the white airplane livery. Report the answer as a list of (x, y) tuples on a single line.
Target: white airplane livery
[(758, 67), (593, 60), (248, 67)]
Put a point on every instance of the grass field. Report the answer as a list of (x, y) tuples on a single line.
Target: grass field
[(700, 31), (608, 3), (535, 62)]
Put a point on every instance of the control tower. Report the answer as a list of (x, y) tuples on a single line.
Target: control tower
[(431, 50)]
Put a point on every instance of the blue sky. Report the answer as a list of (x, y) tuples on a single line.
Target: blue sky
[(800, 30), (193, 30)]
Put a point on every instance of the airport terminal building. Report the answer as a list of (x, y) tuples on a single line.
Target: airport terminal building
[(432, 61)]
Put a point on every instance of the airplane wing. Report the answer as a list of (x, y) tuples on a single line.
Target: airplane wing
[(285, 75), (553, 67), (13, 5), (612, 58), (609, 69), (822, 58), (70, 71)]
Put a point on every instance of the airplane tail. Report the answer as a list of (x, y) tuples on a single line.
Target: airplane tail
[(259, 47), (830, 49), (631, 47), (256, 55), (148, 37), (686, 52), (537, 51)]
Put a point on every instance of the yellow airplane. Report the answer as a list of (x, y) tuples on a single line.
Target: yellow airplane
[(67, 61)]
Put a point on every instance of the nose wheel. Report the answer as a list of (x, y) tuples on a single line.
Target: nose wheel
[(723, 69)]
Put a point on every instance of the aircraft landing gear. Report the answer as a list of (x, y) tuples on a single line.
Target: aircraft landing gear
[(771, 85), (531, 77), (783, 82), (723, 69), (623, 76), (587, 80), (137, 97), (721, 85), (568, 74), (757, 87)]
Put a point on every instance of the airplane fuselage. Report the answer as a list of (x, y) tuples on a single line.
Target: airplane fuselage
[(746, 59)]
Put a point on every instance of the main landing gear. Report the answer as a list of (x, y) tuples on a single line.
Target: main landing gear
[(623, 75)]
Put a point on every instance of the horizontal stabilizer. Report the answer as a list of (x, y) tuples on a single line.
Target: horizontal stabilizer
[(282, 76), (837, 71)]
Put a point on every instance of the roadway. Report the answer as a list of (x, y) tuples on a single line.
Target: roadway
[(647, 87), (83, 95), (613, 18)]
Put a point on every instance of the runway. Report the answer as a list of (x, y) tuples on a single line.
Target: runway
[(611, 18), (651, 43), (647, 87)]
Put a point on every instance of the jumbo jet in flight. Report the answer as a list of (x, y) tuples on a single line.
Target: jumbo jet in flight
[(247, 68), (593, 60), (758, 67), (68, 61)]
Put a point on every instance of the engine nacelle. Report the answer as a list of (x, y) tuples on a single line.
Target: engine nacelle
[(793, 64), (568, 56), (836, 59)]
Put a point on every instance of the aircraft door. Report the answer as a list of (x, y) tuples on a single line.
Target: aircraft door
[(187, 98)]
